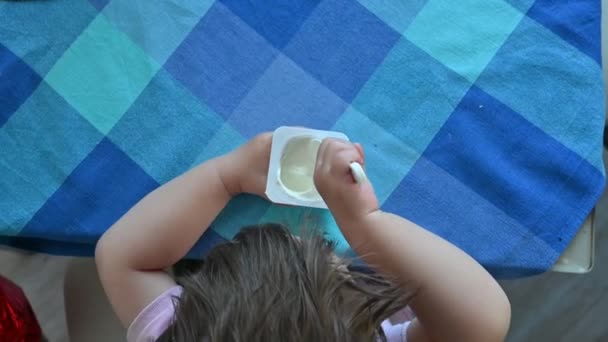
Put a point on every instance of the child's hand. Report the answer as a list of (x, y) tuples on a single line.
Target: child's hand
[(346, 199), (246, 168)]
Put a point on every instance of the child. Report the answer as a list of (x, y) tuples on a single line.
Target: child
[(267, 285)]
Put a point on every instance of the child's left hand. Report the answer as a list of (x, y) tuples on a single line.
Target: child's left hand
[(247, 166), (165, 224)]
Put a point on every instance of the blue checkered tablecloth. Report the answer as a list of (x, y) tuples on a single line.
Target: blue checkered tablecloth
[(482, 119)]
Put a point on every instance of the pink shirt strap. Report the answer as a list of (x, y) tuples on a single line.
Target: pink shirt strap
[(395, 332), (155, 318)]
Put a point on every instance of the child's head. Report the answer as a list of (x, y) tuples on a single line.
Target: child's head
[(267, 285)]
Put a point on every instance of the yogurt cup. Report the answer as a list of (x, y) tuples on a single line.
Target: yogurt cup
[(292, 163)]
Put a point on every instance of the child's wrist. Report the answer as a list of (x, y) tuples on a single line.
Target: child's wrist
[(359, 219), (227, 173)]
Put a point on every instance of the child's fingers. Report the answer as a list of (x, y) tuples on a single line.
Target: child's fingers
[(335, 146), (320, 160), (321, 163), (359, 148), (325, 153), (335, 153), (344, 159), (335, 156)]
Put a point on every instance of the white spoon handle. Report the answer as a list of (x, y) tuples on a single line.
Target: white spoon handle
[(358, 173)]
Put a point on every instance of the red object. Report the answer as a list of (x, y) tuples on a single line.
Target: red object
[(18, 322)]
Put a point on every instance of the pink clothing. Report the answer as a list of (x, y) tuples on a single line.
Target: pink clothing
[(155, 318), (158, 315)]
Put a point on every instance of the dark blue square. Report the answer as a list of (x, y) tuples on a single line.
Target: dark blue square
[(517, 167), (221, 59), (276, 20), (341, 44), (440, 203), (577, 22), (95, 195), (17, 83)]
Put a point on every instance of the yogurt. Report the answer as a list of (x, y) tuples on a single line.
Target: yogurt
[(297, 168)]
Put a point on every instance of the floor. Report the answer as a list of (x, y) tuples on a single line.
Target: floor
[(41, 278), (564, 307)]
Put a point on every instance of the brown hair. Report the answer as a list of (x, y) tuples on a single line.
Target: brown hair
[(267, 285)]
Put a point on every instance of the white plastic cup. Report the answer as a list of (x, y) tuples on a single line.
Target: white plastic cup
[(292, 162)]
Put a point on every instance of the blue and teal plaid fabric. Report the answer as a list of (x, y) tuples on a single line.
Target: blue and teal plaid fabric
[(482, 119)]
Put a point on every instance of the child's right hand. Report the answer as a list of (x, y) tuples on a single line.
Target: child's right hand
[(346, 199), (447, 284)]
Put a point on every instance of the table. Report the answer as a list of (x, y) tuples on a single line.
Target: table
[(463, 138)]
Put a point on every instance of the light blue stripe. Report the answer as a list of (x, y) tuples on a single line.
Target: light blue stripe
[(397, 14), (387, 159), (158, 27), (464, 35)]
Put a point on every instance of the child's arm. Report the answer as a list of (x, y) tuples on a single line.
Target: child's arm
[(159, 230), (456, 299)]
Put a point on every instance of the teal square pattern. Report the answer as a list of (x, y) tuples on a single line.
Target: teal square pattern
[(158, 27), (166, 116), (388, 159), (102, 73), (26, 143), (397, 14), (40, 32), (521, 84), (223, 141), (411, 95), (463, 40)]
